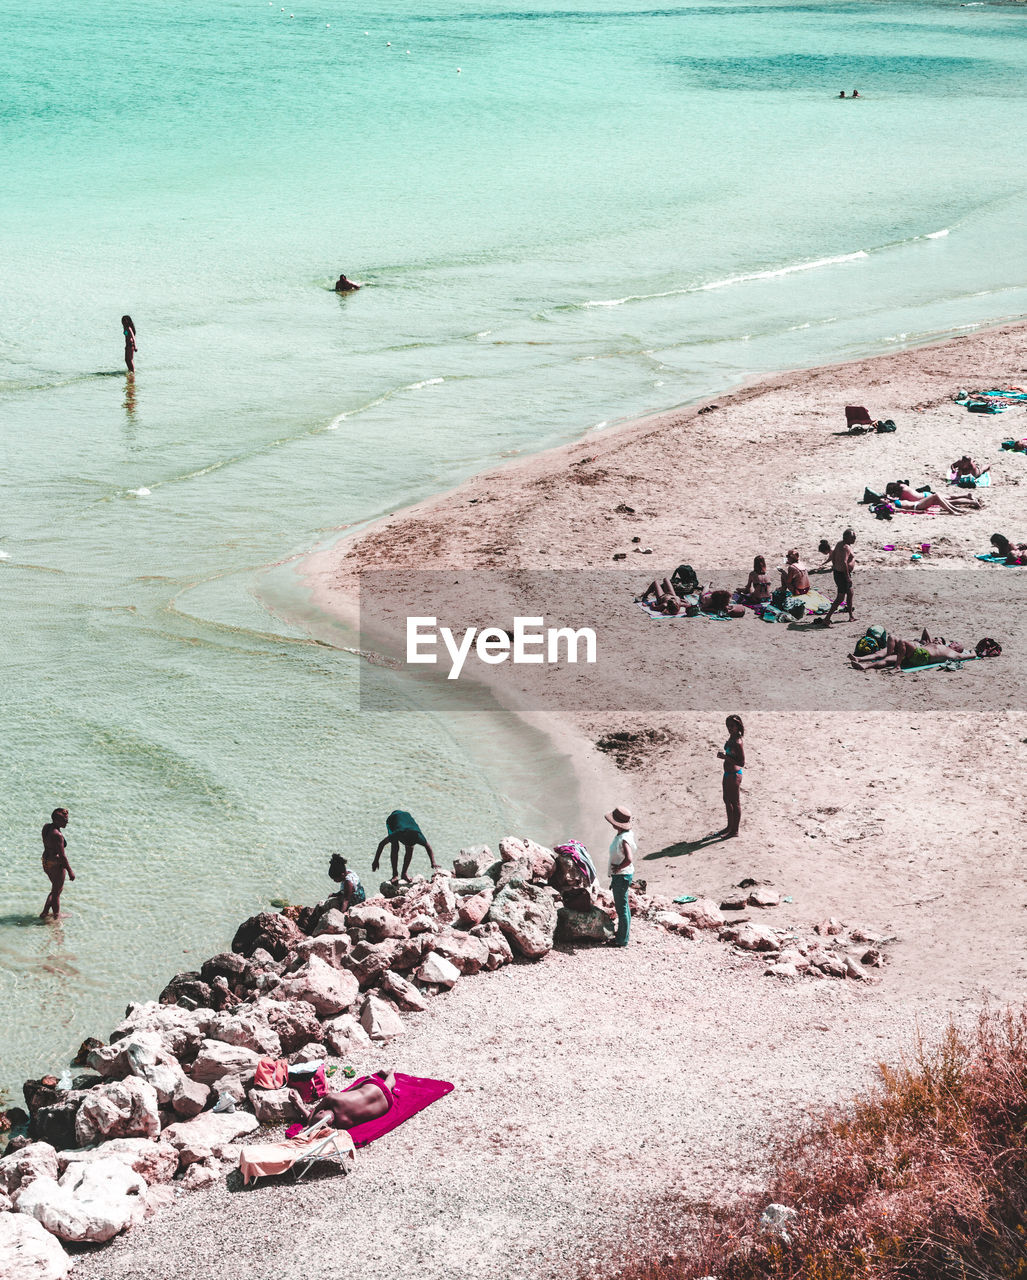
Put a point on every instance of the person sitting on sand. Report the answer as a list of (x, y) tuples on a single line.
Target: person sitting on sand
[(842, 564), (825, 549), (402, 830), (903, 498), (1010, 552), (757, 586), (367, 1098), (925, 652), (965, 466), (55, 862), (795, 575), (345, 285)]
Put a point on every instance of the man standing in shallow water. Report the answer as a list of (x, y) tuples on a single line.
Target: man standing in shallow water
[(55, 861)]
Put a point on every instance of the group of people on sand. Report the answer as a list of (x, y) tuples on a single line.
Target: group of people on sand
[(683, 593)]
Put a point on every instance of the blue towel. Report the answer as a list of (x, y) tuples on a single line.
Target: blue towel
[(991, 558)]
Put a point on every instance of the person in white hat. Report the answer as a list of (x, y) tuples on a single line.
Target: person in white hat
[(623, 848)]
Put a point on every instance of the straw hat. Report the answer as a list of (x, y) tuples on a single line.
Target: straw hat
[(620, 818)]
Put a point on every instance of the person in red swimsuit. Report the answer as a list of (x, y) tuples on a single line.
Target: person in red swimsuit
[(55, 862)]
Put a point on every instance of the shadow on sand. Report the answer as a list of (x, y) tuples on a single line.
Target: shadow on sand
[(684, 847)]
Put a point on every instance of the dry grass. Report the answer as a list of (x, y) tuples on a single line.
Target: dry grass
[(925, 1178)]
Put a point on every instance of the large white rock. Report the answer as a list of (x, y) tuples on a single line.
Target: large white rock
[(180, 1030), (527, 915), (247, 1030), (90, 1202), (28, 1251), (704, 913), (345, 1036), (377, 922), (405, 994), (209, 1135), (752, 937), (274, 1106), (437, 970), (380, 1020), (217, 1059), (329, 990), (155, 1162), (474, 861), (119, 1109), (38, 1160), (143, 1054)]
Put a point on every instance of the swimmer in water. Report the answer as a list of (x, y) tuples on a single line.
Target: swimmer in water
[(55, 862), (345, 285)]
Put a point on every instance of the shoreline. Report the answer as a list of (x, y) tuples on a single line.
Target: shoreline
[(782, 436)]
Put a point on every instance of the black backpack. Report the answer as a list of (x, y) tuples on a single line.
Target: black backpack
[(886, 424)]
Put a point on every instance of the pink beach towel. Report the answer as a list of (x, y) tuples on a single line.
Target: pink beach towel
[(411, 1094)]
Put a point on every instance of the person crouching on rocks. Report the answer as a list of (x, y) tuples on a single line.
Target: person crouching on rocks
[(351, 891), (402, 830), (622, 870)]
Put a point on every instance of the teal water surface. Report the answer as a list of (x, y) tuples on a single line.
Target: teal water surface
[(564, 216)]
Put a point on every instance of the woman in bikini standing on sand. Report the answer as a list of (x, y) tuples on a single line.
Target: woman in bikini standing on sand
[(130, 343), (733, 756)]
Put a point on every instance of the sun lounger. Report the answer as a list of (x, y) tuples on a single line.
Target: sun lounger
[(318, 1142)]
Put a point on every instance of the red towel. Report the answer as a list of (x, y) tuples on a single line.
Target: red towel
[(411, 1094)]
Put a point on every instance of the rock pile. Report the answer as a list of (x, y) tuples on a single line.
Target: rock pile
[(298, 984)]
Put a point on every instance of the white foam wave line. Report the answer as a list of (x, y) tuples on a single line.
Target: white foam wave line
[(937, 235), (340, 418), (730, 280)]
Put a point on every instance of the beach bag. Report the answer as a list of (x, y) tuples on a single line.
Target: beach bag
[(779, 598), (883, 510), (869, 496), (684, 578), (887, 424), (271, 1074), (878, 635), (988, 648), (310, 1082), (865, 645), (336, 868)]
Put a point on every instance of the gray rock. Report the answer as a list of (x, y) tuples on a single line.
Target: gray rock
[(703, 913), (380, 1020), (495, 939), (189, 1098), (273, 932), (527, 915), (37, 1160), (438, 971), (473, 861), (217, 1060), (593, 925), (208, 1135), (295, 1021), (467, 888), (119, 1109), (853, 969), (475, 908), (329, 990), (155, 1162), (751, 937), (369, 960), (467, 953), (273, 1106), (345, 1037), (763, 896), (28, 1251), (90, 1203), (405, 994), (332, 921), (248, 1030), (378, 923)]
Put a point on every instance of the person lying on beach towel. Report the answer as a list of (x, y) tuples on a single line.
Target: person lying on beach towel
[(661, 597), (1007, 552), (718, 604), (903, 498), (372, 1105), (1014, 446), (925, 652)]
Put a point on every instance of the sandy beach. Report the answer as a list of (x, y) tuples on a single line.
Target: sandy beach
[(599, 1094)]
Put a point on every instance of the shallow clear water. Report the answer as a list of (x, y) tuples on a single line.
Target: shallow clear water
[(606, 210)]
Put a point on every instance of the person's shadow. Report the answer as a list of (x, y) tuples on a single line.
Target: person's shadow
[(685, 847)]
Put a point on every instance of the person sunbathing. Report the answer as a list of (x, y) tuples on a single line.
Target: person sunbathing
[(965, 466), (795, 575), (661, 596), (925, 652), (365, 1099), (757, 586), (903, 498), (1009, 552), (718, 603)]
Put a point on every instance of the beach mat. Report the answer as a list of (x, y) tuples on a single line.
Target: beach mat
[(677, 617), (412, 1094), (1000, 561), (952, 664)]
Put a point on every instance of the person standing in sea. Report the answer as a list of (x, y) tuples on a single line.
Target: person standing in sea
[(55, 861), (402, 830), (623, 848), (130, 343), (733, 756)]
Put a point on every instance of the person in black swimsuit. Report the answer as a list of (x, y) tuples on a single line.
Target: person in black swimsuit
[(733, 756)]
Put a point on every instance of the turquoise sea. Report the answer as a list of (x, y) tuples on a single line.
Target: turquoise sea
[(565, 216)]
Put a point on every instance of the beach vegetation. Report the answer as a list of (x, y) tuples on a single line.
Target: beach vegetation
[(922, 1178)]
